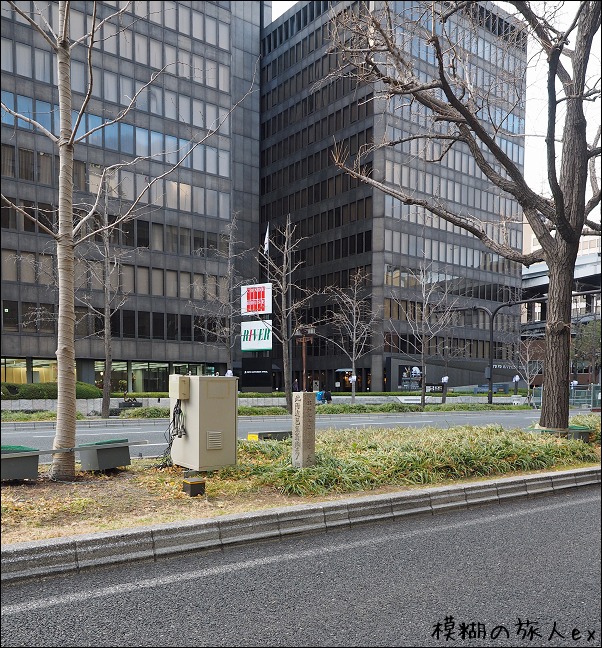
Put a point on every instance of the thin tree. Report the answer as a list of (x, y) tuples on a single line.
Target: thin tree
[(429, 315), (349, 320), (218, 316), (528, 361), (278, 257), (455, 113), (585, 346), (71, 232)]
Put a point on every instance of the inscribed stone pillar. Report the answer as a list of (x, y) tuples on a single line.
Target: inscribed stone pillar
[(304, 429)]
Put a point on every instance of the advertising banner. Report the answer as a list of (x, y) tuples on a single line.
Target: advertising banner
[(256, 299)]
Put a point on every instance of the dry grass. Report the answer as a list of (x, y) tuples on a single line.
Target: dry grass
[(138, 495)]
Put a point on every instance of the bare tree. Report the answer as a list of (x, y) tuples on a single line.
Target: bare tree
[(429, 315), (585, 346), (349, 321), (454, 112), (71, 231), (218, 316), (279, 261), (528, 361)]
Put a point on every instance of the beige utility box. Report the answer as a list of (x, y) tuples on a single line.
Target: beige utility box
[(210, 420)]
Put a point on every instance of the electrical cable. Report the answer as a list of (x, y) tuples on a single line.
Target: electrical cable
[(176, 429)]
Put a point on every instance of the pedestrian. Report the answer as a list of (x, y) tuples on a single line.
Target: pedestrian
[(295, 385), (327, 396), (229, 373)]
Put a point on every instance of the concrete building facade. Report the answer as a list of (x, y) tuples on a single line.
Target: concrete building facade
[(346, 226)]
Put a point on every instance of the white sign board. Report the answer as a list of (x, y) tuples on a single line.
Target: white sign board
[(256, 335), (256, 299)]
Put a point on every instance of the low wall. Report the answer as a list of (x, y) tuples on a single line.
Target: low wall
[(93, 406)]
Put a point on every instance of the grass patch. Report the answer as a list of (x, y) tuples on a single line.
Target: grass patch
[(348, 462)]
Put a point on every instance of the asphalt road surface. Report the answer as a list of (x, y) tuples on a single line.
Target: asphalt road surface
[(41, 435), (522, 573)]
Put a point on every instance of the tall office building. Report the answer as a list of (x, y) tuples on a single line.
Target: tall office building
[(204, 56), (348, 226)]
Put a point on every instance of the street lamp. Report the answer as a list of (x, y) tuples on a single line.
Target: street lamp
[(304, 334), (492, 314)]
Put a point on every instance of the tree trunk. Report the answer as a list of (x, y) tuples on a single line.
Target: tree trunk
[(63, 464), (555, 396)]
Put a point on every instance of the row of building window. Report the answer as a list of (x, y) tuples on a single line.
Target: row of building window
[(445, 253), (133, 140), (451, 348), (305, 16), (42, 318), (333, 219), (403, 310), (315, 163), (340, 278), (138, 233), (341, 248), (313, 194), (40, 269), (322, 98), (171, 15)]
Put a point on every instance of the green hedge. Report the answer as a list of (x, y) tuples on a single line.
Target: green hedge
[(29, 391)]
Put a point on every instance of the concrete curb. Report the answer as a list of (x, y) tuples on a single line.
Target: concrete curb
[(50, 557)]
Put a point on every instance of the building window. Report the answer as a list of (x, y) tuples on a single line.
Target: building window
[(8, 161), (10, 315)]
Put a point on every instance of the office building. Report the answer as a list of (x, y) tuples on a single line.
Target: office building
[(348, 226), (168, 264)]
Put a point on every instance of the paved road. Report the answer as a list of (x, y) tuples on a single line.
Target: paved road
[(41, 435), (529, 568)]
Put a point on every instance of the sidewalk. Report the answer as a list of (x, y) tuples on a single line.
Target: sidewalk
[(67, 555)]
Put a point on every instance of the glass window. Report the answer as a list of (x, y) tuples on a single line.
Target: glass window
[(171, 105), (44, 168), (43, 62), (224, 35), (8, 99), (8, 160), (171, 283), (23, 60), (183, 19), (197, 25), (25, 108), (159, 326), (112, 136), (170, 59), (127, 138), (141, 141), (142, 282), (110, 38), (157, 288), (157, 233), (125, 44), (44, 114), (169, 14), (7, 55), (10, 315), (110, 86), (26, 164), (126, 90), (144, 324), (210, 30), (141, 49), (156, 53), (9, 265)]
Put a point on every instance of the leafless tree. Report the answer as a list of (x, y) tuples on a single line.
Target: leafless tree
[(429, 315), (279, 261), (453, 112), (349, 320), (528, 361), (218, 313), (71, 231)]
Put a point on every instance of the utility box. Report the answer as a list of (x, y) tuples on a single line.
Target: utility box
[(179, 387), (210, 421)]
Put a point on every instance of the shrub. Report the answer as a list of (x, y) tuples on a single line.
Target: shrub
[(49, 390)]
